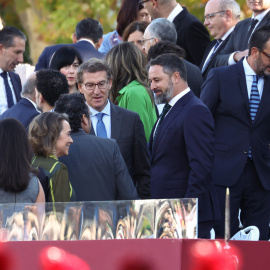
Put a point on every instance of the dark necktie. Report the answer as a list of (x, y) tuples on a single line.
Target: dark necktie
[(218, 42), (251, 28), (101, 130), (254, 102), (8, 90), (163, 114)]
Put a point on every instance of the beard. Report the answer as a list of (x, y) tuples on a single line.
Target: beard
[(166, 96), (261, 68)]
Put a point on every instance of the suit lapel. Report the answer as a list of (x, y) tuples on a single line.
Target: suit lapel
[(15, 85), (174, 112), (178, 20), (207, 51), (116, 121), (264, 21)]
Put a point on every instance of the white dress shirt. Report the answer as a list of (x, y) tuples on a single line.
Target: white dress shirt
[(3, 96), (106, 118), (174, 13)]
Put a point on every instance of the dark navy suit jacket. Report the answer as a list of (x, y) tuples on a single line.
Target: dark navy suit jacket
[(183, 156), (225, 94), (192, 36), (85, 48), (17, 85)]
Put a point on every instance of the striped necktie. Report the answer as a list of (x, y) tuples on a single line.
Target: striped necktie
[(254, 103)]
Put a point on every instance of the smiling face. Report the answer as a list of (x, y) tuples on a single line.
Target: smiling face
[(258, 6), (96, 98), (64, 140), (161, 84), (12, 56), (70, 71)]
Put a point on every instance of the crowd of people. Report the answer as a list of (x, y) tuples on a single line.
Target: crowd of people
[(153, 109)]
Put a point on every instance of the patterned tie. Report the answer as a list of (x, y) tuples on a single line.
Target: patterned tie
[(218, 42), (254, 103), (164, 112), (251, 28), (8, 90), (101, 130)]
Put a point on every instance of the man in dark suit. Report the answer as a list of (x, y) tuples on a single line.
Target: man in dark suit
[(181, 143), (25, 110), (111, 121), (192, 36), (87, 39), (238, 97), (95, 165), (163, 30), (12, 47), (237, 46), (220, 18)]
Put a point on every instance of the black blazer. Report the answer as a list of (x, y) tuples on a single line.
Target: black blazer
[(128, 131), (85, 48), (17, 85), (211, 64), (225, 94), (192, 36), (238, 40), (96, 169), (24, 111)]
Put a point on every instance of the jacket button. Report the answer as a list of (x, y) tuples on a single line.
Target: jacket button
[(245, 152)]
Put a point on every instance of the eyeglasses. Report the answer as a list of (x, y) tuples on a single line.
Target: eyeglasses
[(144, 40), (91, 86), (209, 16), (266, 54), (143, 1)]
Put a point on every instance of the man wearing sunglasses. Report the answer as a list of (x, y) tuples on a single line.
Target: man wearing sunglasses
[(192, 36), (238, 97)]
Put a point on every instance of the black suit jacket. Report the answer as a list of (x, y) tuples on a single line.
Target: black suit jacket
[(128, 131), (238, 40), (96, 169), (183, 156), (192, 36), (225, 94), (17, 85), (211, 64), (85, 48), (24, 111)]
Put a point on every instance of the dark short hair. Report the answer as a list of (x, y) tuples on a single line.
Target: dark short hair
[(165, 47), (171, 63), (133, 27), (64, 56), (92, 65), (44, 131), (259, 38), (75, 107), (7, 35), (127, 14), (89, 28), (15, 156), (51, 84)]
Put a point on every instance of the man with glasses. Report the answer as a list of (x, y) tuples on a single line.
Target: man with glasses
[(237, 46), (111, 121), (192, 36), (220, 18), (238, 97)]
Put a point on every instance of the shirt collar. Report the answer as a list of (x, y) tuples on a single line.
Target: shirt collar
[(177, 97), (106, 110), (34, 104), (247, 68), (260, 16), (174, 13), (227, 33), (88, 40)]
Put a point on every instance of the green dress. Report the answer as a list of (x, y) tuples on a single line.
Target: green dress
[(134, 97)]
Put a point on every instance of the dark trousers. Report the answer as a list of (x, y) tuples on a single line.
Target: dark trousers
[(249, 196)]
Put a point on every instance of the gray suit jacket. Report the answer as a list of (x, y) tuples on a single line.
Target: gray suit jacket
[(96, 169), (127, 129), (238, 40)]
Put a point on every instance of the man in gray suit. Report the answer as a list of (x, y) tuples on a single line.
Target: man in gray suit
[(111, 121), (95, 165), (237, 46)]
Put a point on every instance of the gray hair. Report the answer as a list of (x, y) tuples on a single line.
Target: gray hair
[(163, 30), (93, 65), (28, 89), (231, 5)]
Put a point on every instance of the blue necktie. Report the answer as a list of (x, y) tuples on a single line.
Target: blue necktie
[(8, 90), (101, 130), (212, 54), (254, 102)]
